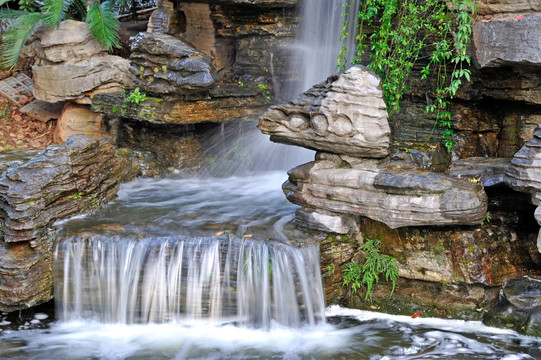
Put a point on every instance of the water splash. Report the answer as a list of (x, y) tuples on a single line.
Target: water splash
[(222, 279)]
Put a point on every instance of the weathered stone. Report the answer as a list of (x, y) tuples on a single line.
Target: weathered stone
[(317, 221), (259, 3), (525, 172), (489, 171), (175, 111), (55, 83), (166, 19), (70, 43), (491, 7), (508, 41), (520, 305), (78, 119), (42, 111), (344, 115), (61, 181), (163, 64), (393, 193)]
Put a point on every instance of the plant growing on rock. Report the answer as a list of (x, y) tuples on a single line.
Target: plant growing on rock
[(376, 264), (399, 34), (99, 16)]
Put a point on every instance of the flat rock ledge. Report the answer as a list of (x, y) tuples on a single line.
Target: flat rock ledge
[(346, 114), (62, 181), (393, 193)]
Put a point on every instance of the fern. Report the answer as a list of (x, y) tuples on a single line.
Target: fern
[(55, 11), (18, 32), (368, 274), (103, 24)]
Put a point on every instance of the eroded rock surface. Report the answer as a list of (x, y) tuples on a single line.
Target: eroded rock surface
[(344, 115), (508, 41), (163, 64), (525, 172), (62, 181), (393, 193)]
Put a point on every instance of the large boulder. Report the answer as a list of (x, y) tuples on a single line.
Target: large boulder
[(524, 174), (346, 114), (393, 193), (71, 65), (163, 64), (508, 41)]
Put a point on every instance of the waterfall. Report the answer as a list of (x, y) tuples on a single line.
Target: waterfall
[(171, 279), (319, 37)]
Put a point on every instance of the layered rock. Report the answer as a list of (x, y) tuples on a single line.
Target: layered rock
[(525, 172), (390, 192), (78, 119), (163, 64), (508, 42), (62, 181), (71, 65), (345, 114)]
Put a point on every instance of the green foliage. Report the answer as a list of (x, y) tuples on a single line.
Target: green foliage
[(356, 275), (486, 219), (136, 96), (404, 33), (101, 21), (264, 88)]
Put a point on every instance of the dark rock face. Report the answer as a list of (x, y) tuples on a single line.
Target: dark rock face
[(508, 41), (163, 64), (519, 306), (344, 115), (62, 181)]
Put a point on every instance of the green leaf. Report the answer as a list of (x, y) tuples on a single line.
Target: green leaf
[(16, 35), (55, 11), (103, 24)]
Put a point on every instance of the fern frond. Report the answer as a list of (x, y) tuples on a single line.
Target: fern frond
[(103, 24), (55, 11), (78, 9), (16, 35)]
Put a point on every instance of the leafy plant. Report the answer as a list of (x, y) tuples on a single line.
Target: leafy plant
[(100, 18), (486, 219), (264, 88), (397, 34), (357, 276), (136, 96)]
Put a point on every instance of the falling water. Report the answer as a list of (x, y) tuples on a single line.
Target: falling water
[(319, 39), (215, 279)]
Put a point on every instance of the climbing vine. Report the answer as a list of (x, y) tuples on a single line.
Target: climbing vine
[(398, 34)]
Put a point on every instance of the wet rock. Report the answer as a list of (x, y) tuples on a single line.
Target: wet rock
[(344, 115), (393, 193), (488, 171), (508, 42), (525, 172), (519, 305), (334, 224), (61, 181), (163, 64), (78, 119), (259, 3)]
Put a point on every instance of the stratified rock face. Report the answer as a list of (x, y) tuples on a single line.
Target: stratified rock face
[(163, 64), (62, 181), (508, 41), (71, 65), (490, 7), (78, 119), (525, 172), (344, 115), (263, 3), (390, 192)]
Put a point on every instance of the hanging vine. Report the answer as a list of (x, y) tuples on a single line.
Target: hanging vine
[(397, 34)]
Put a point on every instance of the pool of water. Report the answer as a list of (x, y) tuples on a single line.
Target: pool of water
[(235, 207)]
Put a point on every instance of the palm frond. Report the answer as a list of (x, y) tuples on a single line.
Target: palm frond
[(16, 35), (103, 24), (55, 11), (8, 14), (78, 9)]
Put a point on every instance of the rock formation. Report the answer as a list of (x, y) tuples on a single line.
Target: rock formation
[(70, 65), (62, 181), (345, 115), (163, 64)]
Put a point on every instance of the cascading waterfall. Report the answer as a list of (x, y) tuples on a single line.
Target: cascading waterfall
[(215, 279), (319, 43)]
